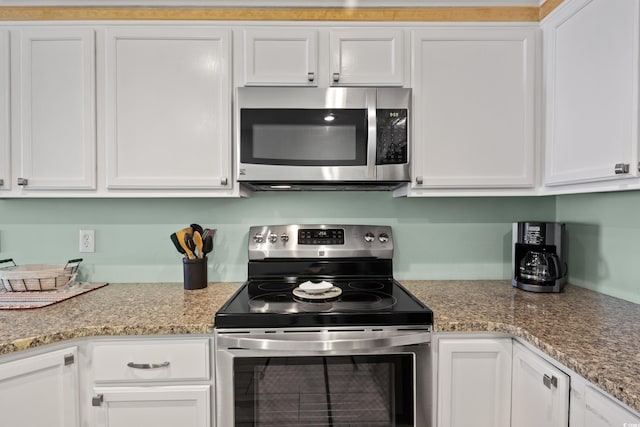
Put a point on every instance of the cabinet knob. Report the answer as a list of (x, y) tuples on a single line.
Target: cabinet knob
[(97, 400), (223, 181), (311, 76), (621, 168), (23, 181), (1, 182), (419, 180), (336, 77), (549, 381)]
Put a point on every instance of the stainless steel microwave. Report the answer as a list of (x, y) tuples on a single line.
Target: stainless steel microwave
[(312, 138)]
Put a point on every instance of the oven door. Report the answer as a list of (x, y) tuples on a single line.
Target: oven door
[(323, 378)]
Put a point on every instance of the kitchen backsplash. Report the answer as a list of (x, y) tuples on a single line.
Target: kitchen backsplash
[(436, 238)]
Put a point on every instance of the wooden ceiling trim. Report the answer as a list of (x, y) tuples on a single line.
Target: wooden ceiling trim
[(547, 7), (426, 14)]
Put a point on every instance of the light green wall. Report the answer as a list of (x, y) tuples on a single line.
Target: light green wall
[(604, 241), (436, 238), (450, 238)]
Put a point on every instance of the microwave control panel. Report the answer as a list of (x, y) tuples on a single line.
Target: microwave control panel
[(391, 136)]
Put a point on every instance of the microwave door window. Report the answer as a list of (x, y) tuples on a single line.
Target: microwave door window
[(296, 137)]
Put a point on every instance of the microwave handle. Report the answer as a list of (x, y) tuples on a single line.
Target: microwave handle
[(271, 344), (372, 130)]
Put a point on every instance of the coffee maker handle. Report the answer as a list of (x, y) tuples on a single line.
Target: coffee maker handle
[(560, 269)]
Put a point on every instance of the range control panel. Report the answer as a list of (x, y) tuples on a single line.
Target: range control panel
[(320, 240)]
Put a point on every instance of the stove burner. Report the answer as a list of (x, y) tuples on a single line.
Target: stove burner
[(274, 303), (366, 301), (276, 286), (366, 286), (316, 307)]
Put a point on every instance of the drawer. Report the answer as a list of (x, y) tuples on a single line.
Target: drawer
[(153, 360)]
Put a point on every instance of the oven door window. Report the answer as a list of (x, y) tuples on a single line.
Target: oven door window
[(371, 390), (299, 137)]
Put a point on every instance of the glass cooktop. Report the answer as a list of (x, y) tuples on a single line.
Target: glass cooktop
[(352, 302)]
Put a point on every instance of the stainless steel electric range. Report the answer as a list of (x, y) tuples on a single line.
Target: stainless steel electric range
[(322, 334)]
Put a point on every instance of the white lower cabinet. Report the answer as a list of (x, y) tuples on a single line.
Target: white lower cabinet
[(40, 390), (539, 390), (474, 382), (167, 406), (592, 408), (149, 382)]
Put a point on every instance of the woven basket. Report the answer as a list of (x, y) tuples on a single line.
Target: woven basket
[(37, 277)]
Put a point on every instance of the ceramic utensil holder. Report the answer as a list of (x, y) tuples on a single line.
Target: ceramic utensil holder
[(195, 273)]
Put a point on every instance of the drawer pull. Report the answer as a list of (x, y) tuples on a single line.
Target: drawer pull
[(148, 365)]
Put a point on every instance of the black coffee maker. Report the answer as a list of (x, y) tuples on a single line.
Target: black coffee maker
[(539, 256)]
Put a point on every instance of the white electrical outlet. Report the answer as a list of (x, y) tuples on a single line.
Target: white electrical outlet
[(87, 241)]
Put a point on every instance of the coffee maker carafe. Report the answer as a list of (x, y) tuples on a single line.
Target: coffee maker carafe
[(539, 256)]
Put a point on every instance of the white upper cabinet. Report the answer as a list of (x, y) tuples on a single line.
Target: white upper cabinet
[(366, 57), (591, 74), (281, 57), (5, 135), (168, 103), (53, 108), (474, 116), (540, 391)]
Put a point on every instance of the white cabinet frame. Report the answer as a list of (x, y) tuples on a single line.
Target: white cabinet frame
[(5, 128)]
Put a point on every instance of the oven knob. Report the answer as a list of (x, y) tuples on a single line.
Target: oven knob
[(369, 237), (383, 237), (258, 238), (273, 237), (284, 237)]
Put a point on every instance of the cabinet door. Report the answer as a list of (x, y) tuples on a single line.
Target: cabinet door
[(53, 92), (601, 411), (474, 382), (171, 406), (474, 99), (540, 391), (368, 57), (591, 78), (168, 103), (281, 56), (40, 391), (5, 152)]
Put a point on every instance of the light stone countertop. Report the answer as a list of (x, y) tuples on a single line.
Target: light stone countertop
[(595, 335)]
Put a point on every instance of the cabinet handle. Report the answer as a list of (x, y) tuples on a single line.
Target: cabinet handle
[(311, 76), (336, 77), (97, 400), (419, 180), (550, 381), (621, 168), (23, 181), (148, 365)]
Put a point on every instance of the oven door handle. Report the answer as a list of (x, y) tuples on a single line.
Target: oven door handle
[(291, 343)]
